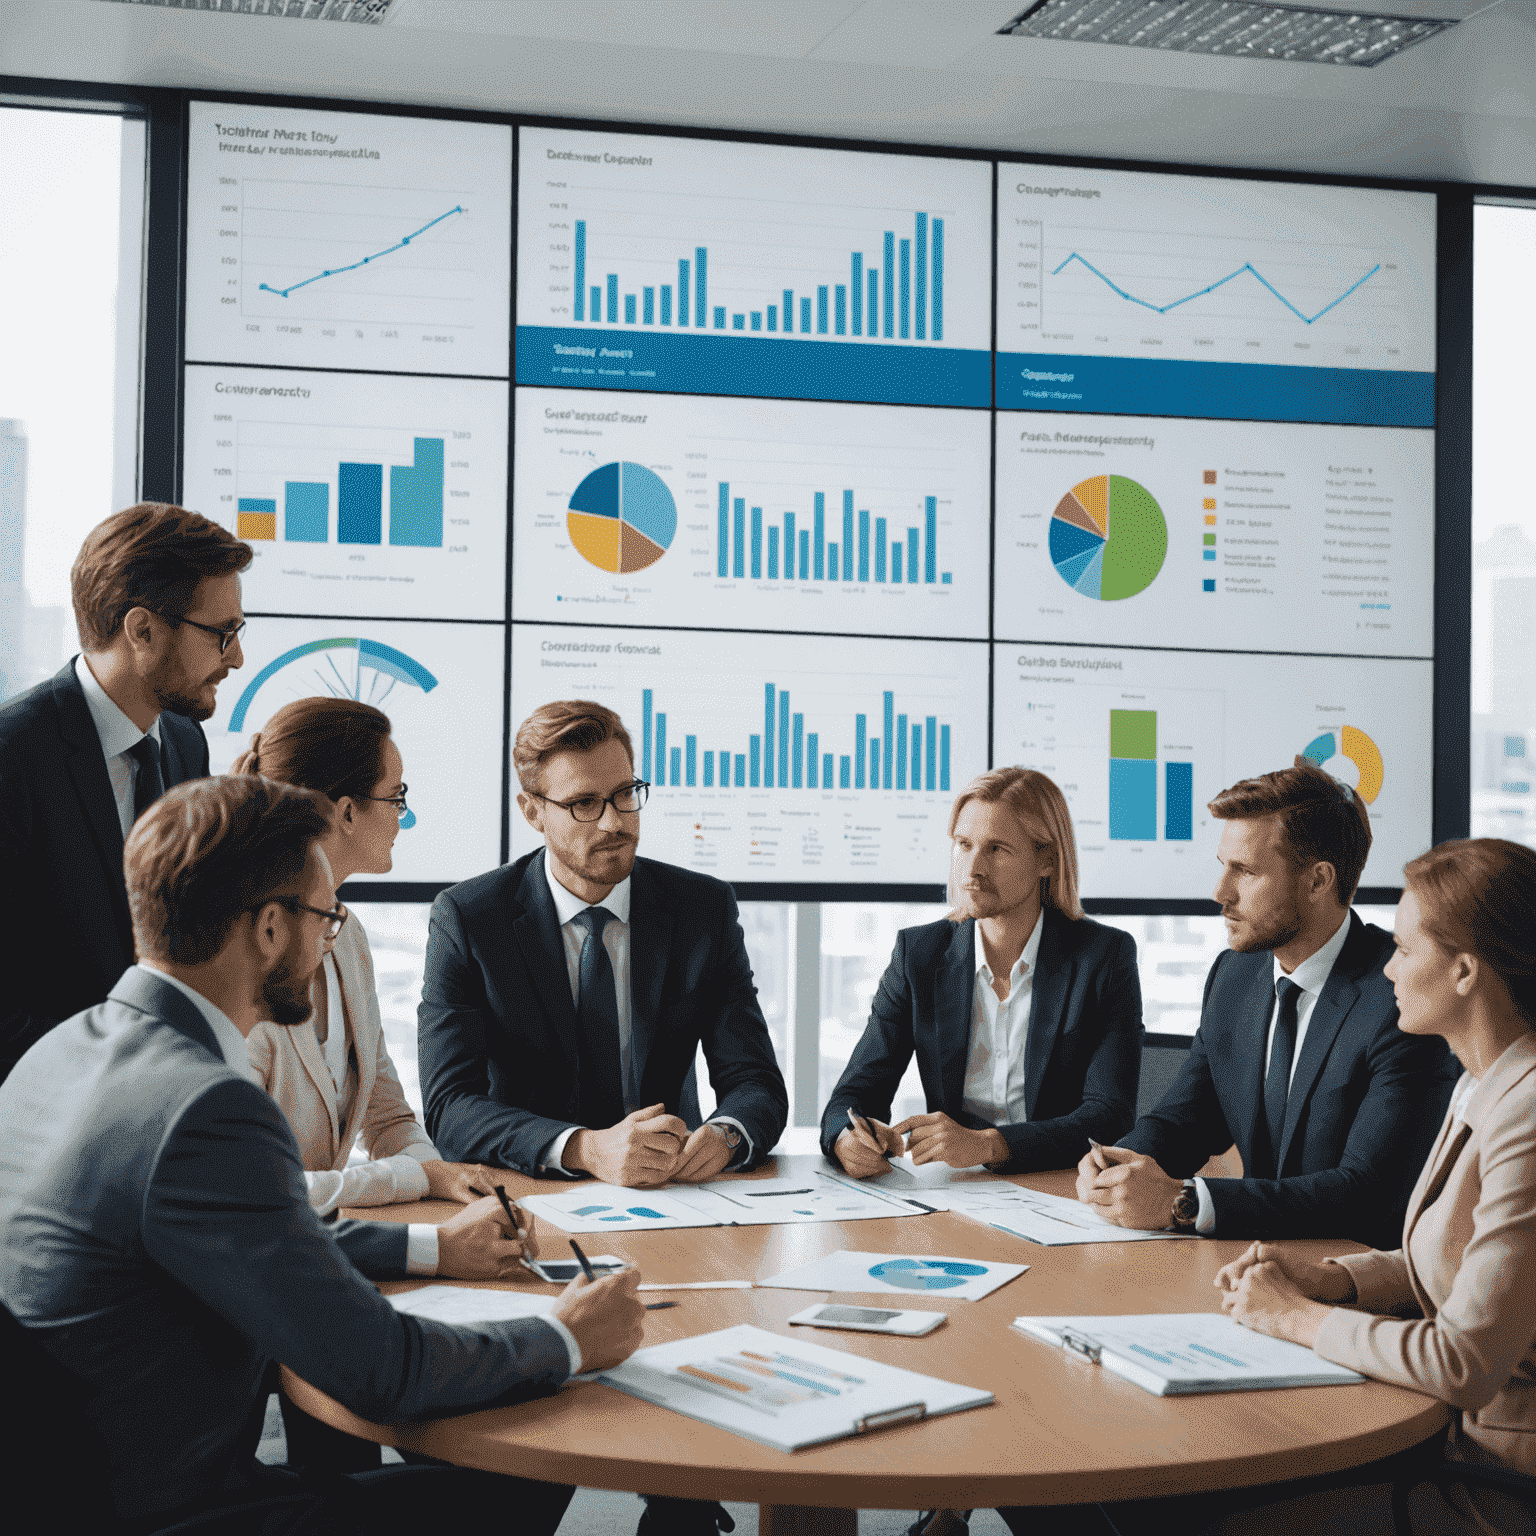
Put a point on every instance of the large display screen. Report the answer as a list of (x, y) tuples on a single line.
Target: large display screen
[(841, 474)]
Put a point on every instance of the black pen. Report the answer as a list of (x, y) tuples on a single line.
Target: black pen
[(586, 1268), (513, 1214), (660, 1306)]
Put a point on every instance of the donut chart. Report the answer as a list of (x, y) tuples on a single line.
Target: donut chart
[(622, 518), (926, 1274), (1354, 746), (1108, 538)]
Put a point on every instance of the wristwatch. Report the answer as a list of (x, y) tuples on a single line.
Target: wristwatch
[(727, 1133), (1186, 1207)]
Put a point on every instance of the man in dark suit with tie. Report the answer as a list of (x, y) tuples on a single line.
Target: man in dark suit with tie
[(1298, 1058), (156, 594)]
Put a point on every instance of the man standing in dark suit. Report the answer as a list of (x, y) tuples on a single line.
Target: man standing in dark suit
[(157, 1243), (1024, 1015), (1298, 1058), (156, 594)]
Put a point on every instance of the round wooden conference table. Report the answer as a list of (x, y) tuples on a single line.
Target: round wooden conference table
[(1060, 1431)]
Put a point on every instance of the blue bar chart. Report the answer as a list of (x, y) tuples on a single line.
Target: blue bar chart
[(358, 495), (837, 518), (715, 279), (767, 763)]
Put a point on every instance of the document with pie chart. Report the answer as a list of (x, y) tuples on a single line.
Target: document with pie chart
[(903, 1273)]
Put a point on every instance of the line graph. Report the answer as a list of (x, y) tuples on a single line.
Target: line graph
[(1247, 266), (352, 267)]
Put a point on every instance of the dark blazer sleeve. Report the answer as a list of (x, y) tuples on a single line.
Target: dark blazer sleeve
[(20, 1030), (454, 1026), (1104, 1018), (738, 1050), (874, 1071), (1365, 1194), (225, 1214)]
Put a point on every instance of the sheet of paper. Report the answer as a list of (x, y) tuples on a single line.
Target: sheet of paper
[(781, 1392), (1051, 1220), (814, 1197), (898, 1273), (1178, 1352), (608, 1208), (468, 1304)]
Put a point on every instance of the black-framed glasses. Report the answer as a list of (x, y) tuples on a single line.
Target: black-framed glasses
[(335, 917), (625, 801), (223, 636), (402, 810)]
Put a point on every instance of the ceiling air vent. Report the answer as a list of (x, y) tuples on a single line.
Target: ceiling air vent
[(369, 12), (1232, 28)]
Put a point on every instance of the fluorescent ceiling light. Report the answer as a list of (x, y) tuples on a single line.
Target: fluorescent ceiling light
[(370, 12), (1233, 28)]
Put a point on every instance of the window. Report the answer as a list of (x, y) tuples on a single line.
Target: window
[(71, 268)]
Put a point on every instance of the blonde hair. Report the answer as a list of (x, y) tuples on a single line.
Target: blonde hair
[(1040, 808)]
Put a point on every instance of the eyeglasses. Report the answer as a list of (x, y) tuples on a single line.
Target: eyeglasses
[(335, 917), (397, 800), (223, 636), (625, 801)]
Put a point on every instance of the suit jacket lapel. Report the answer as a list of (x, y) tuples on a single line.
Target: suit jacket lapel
[(1050, 984), (312, 1054), (954, 995), (650, 929), (88, 772), (1328, 1014), (537, 933)]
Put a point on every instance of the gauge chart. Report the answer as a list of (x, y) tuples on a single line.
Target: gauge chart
[(622, 518), (1351, 757), (1108, 538)]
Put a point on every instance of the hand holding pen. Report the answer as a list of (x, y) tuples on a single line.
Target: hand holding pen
[(864, 1147)]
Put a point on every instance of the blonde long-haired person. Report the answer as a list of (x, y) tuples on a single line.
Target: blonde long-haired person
[(1024, 1015)]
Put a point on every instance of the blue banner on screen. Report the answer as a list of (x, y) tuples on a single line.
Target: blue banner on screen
[(1140, 386)]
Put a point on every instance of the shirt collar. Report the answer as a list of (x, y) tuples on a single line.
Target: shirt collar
[(1025, 964), (567, 905), (117, 733), (230, 1041), (1316, 968)]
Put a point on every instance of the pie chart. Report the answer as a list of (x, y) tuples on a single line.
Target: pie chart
[(622, 518), (1108, 538), (926, 1274), (1336, 750)]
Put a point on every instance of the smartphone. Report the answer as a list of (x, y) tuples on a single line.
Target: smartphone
[(870, 1319), (563, 1271)]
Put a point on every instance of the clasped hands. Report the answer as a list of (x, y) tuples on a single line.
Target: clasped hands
[(647, 1148), (1282, 1294), (863, 1149)]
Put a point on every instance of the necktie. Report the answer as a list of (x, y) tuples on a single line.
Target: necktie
[(149, 782), (600, 1081), (1277, 1083)]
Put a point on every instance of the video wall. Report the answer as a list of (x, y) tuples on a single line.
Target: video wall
[(841, 475)]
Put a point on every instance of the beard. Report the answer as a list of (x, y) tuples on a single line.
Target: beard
[(612, 860), (171, 689), (285, 996), (1272, 932)]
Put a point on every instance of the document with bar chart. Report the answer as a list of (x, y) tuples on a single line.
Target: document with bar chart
[(1219, 535), (777, 757), (440, 685), (360, 495), (1140, 741), (752, 269), (763, 514), (1216, 297), (348, 240)]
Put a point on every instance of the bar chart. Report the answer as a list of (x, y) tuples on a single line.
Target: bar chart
[(362, 495), (763, 515), (1141, 741), (766, 762), (692, 253)]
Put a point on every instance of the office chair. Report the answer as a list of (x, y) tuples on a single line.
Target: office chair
[(1516, 1484)]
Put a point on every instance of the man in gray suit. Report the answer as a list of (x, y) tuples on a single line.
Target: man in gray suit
[(155, 1236)]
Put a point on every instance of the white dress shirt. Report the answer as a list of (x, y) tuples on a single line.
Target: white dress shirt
[(118, 736), (616, 941), (994, 1070), (1311, 976)]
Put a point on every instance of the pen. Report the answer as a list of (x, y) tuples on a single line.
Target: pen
[(660, 1306), (586, 1268), (513, 1214)]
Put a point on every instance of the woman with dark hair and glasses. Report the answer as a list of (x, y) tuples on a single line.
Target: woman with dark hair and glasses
[(333, 1077)]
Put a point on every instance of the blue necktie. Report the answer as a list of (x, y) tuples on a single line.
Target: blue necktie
[(1277, 1083), (149, 782), (600, 1068)]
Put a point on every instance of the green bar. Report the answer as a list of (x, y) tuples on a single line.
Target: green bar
[(1133, 733)]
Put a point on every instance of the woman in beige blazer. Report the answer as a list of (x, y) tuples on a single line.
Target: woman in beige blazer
[(1453, 1311), (332, 1077)]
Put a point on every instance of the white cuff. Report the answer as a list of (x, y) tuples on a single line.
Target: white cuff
[(572, 1348), (410, 1177), (324, 1191), (550, 1157), (420, 1249), (743, 1153), (1205, 1222)]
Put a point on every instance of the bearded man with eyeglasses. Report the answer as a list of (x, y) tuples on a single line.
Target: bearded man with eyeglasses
[(156, 593)]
